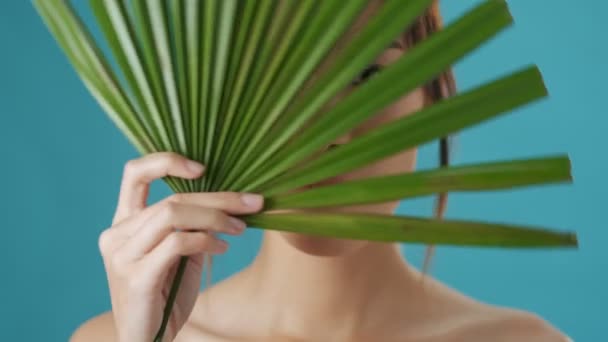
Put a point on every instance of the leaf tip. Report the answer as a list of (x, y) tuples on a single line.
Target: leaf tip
[(572, 240), (534, 72)]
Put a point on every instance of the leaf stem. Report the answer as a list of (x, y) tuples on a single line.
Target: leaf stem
[(181, 268)]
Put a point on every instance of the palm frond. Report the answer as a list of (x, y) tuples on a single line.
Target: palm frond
[(478, 177), (412, 229), (469, 108), (420, 64)]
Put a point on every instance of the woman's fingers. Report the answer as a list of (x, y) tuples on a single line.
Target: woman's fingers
[(172, 216), (230, 202), (178, 244), (139, 173)]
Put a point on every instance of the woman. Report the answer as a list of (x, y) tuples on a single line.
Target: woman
[(299, 288)]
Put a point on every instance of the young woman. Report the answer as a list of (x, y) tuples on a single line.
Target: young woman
[(299, 288)]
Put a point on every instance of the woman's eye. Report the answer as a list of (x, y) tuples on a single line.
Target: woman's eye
[(332, 146), (366, 74)]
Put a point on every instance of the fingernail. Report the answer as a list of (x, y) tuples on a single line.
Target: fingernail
[(220, 246), (237, 225), (194, 166), (252, 200)]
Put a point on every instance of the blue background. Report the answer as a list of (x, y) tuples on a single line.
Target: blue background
[(61, 162)]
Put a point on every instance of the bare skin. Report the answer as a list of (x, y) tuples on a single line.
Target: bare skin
[(299, 288)]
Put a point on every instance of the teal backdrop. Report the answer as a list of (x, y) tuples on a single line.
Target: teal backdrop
[(61, 160)]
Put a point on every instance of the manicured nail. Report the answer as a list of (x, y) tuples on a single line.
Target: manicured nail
[(252, 200), (194, 166), (237, 225)]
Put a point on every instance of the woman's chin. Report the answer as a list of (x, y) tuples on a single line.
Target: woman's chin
[(322, 246), (331, 247)]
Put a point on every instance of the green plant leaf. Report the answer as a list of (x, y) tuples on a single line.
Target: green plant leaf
[(227, 12), (167, 90), (244, 16), (381, 29), (329, 21), (190, 18), (440, 120), (411, 229), (420, 64), (478, 177), (140, 111), (208, 34), (93, 69), (278, 53)]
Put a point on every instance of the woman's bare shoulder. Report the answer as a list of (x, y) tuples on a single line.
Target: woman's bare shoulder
[(463, 318), (507, 325), (96, 329), (101, 329)]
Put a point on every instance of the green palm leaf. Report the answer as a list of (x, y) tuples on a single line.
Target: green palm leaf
[(486, 176), (431, 123), (329, 20), (243, 87), (420, 64), (413, 229)]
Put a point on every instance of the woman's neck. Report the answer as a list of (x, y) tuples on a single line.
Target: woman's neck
[(309, 291)]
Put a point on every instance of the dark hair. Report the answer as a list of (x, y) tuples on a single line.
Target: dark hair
[(443, 86)]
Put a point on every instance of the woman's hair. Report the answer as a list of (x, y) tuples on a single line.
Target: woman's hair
[(441, 87)]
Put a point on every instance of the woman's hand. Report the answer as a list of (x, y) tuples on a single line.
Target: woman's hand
[(141, 249)]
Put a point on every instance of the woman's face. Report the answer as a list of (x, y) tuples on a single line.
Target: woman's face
[(399, 163)]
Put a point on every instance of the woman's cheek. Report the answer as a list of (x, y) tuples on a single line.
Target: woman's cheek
[(403, 162)]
